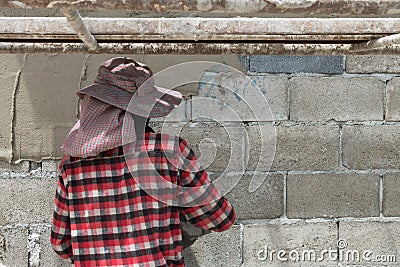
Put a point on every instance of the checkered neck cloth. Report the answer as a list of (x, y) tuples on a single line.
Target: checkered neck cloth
[(99, 129)]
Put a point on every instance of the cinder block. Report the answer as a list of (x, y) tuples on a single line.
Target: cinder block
[(232, 96), (391, 191), (215, 249), (297, 148), (50, 165), (261, 146), (371, 147), (376, 243), (296, 64), (332, 195), (373, 64), (13, 247), (27, 200), (46, 104), (23, 166), (294, 241), (48, 258), (10, 65), (393, 100), (218, 148), (265, 202), (340, 99)]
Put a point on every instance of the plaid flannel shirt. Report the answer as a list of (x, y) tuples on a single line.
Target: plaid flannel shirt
[(103, 217)]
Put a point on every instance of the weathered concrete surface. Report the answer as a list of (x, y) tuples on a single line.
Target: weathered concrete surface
[(393, 99), (340, 99), (10, 65), (373, 64), (231, 96), (218, 148), (305, 148), (47, 81), (294, 237), (266, 202), (371, 147), (27, 200), (296, 64), (391, 192), (374, 238), (215, 249), (13, 247), (332, 195)]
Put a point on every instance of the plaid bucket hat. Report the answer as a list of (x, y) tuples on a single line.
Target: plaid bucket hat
[(122, 85), (129, 85)]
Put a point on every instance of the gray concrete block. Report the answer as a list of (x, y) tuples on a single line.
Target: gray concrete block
[(47, 81), (10, 65), (341, 99), (294, 240), (232, 96), (332, 195), (393, 100), (391, 192), (371, 147), (23, 166), (376, 243), (48, 258), (373, 64), (296, 64), (218, 148), (13, 247), (297, 148), (215, 249), (50, 165), (27, 200), (264, 203)]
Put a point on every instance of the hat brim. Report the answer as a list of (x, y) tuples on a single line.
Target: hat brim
[(159, 103)]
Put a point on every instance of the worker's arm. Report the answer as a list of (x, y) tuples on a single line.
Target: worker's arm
[(61, 233), (202, 203)]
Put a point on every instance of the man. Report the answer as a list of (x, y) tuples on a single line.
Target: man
[(107, 212)]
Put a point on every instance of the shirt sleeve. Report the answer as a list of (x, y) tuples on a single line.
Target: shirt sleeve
[(208, 209), (61, 233)]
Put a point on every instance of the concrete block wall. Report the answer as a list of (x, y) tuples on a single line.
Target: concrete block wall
[(316, 138)]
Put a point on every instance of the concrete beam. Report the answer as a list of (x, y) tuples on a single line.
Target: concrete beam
[(329, 7)]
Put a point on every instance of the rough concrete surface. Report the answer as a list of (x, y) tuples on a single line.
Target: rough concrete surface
[(10, 66), (376, 238), (27, 200), (294, 237), (47, 81), (296, 64), (235, 97), (218, 148), (216, 250), (306, 148), (393, 100), (371, 147), (373, 64), (337, 98), (391, 192), (265, 202), (332, 195), (13, 247)]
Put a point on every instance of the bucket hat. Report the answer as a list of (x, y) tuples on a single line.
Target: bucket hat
[(129, 85), (122, 85)]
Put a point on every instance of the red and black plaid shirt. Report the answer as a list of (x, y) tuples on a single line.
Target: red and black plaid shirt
[(103, 218)]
